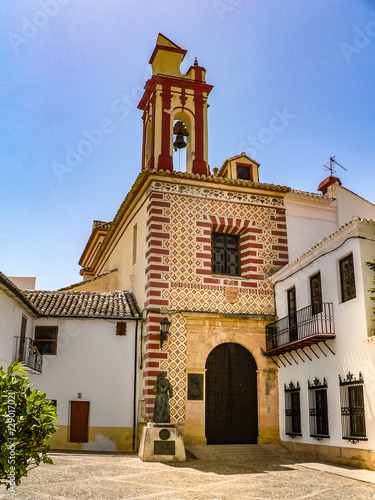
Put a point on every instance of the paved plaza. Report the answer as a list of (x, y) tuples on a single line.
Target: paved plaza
[(210, 473)]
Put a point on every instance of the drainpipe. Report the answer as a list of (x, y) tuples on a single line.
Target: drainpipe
[(135, 383)]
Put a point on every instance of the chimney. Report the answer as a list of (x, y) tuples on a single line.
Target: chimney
[(328, 181)]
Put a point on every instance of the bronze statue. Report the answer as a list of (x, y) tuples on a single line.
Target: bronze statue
[(163, 391)]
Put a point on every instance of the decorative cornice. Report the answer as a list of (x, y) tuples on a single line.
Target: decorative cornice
[(216, 194), (149, 175)]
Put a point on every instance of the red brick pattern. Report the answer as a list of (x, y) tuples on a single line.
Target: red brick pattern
[(179, 273), (155, 284)]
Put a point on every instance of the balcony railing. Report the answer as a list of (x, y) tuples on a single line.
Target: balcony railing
[(310, 325), (29, 354)]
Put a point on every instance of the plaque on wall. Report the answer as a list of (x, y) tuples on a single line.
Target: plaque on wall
[(164, 448), (231, 294), (195, 386)]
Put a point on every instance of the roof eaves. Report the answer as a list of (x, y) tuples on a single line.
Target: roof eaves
[(6, 282)]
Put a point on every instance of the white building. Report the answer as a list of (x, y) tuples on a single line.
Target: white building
[(81, 349), (17, 319), (324, 345)]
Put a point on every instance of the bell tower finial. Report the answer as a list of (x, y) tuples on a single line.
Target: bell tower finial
[(171, 98)]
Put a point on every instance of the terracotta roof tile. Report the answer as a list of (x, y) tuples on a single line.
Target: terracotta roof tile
[(118, 305)]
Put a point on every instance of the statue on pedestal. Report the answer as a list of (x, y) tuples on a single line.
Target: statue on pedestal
[(163, 391)]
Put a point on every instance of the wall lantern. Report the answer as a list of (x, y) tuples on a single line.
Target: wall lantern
[(164, 330)]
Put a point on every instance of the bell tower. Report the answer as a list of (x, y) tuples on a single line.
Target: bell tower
[(174, 110)]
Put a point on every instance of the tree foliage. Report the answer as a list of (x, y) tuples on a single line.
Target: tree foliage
[(27, 419)]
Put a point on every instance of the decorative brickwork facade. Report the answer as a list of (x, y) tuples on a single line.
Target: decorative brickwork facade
[(179, 278)]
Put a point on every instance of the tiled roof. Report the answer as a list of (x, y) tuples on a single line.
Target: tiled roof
[(90, 280), (114, 305), (101, 224), (228, 160)]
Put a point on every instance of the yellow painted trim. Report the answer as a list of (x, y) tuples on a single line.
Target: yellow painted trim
[(100, 439), (351, 457)]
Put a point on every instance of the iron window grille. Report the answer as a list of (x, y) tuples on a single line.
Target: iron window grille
[(347, 278), (292, 410), (352, 408), (225, 254), (318, 409)]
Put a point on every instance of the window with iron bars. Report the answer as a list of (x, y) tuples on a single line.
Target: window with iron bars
[(318, 409), (292, 410), (352, 408)]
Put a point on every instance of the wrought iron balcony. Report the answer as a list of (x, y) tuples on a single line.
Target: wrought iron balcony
[(310, 325), (29, 353)]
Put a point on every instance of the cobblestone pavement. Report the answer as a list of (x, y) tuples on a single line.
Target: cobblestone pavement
[(216, 473)]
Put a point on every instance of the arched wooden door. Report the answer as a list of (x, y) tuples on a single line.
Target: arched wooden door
[(231, 396)]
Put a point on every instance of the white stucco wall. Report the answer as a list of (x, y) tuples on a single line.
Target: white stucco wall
[(353, 352), (93, 361), (130, 276), (10, 326), (349, 204), (308, 220)]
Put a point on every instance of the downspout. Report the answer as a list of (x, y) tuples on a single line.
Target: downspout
[(135, 384)]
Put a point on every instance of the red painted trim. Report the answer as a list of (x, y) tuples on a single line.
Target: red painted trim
[(183, 83), (199, 165), (167, 49)]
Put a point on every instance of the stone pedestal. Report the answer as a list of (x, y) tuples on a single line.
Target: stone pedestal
[(162, 443)]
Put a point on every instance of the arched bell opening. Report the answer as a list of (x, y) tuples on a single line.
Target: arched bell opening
[(180, 136), (183, 140)]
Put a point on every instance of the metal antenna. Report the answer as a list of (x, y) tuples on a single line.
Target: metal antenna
[(331, 166)]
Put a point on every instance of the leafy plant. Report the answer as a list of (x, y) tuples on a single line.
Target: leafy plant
[(27, 420)]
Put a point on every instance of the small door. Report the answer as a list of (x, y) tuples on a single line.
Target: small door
[(79, 421)]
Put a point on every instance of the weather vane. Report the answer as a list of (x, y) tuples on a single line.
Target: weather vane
[(331, 166)]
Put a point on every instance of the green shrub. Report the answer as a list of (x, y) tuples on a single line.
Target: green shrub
[(27, 420)]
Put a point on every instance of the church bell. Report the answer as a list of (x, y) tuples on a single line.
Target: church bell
[(180, 130), (179, 143)]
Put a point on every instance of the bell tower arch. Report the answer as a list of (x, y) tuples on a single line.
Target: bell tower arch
[(169, 98)]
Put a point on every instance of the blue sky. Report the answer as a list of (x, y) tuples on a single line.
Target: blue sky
[(66, 65)]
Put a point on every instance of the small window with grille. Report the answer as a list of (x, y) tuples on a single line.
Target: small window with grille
[(318, 409), (292, 410), (225, 254), (352, 408)]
